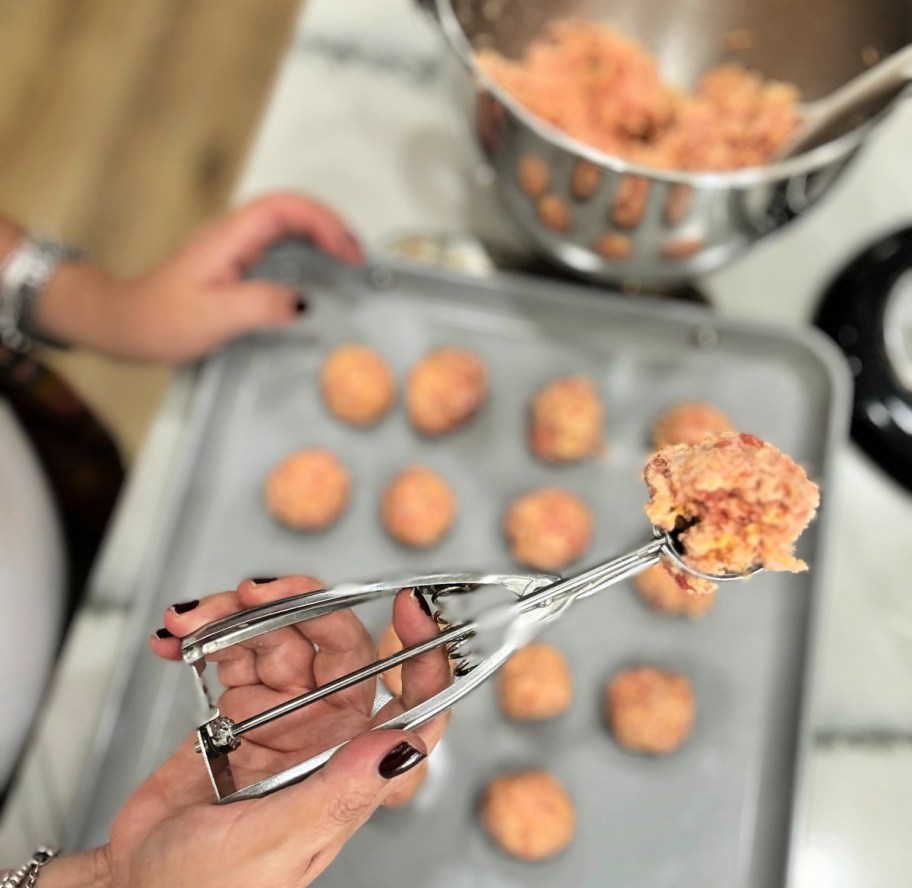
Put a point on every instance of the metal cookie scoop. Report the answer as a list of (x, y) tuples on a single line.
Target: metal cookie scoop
[(480, 629)]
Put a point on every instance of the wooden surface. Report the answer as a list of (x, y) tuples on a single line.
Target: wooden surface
[(123, 124)]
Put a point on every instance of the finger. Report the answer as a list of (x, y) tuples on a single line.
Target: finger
[(343, 645), (281, 659), (329, 806), (237, 664), (422, 676), (185, 618), (239, 240), (251, 593), (284, 657), (253, 305), (429, 673), (165, 645), (295, 215), (431, 732), (407, 786)]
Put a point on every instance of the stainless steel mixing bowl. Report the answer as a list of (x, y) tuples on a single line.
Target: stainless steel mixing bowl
[(615, 220)]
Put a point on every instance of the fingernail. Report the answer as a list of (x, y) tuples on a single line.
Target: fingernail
[(183, 606), (262, 581), (163, 633), (301, 304), (422, 602), (400, 759)]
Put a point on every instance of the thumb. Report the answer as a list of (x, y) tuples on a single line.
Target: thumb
[(254, 305), (329, 806)]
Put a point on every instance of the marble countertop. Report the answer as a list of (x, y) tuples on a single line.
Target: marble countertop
[(360, 117)]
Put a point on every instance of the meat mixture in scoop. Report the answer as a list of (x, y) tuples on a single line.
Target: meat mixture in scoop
[(742, 503)]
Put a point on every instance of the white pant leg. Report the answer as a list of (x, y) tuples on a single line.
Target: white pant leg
[(32, 587)]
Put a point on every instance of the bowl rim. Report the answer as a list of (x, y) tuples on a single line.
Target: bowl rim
[(820, 157)]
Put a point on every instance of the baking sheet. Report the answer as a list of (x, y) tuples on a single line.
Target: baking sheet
[(717, 812)]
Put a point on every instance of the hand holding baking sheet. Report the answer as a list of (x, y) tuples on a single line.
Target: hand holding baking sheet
[(197, 298)]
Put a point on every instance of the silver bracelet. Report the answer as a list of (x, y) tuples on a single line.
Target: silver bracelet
[(24, 276), (27, 874)]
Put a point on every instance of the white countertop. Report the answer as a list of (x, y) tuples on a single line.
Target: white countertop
[(363, 79)]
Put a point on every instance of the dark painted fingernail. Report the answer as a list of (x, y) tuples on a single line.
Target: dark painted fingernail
[(183, 606), (400, 759), (163, 633), (301, 304), (422, 601), (262, 581)]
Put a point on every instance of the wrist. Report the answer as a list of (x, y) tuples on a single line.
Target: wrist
[(75, 307), (88, 869), (27, 270)]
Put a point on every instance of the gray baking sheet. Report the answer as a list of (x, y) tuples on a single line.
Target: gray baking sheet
[(720, 811)]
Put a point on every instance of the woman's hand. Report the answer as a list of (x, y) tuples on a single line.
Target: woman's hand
[(196, 299), (169, 834)]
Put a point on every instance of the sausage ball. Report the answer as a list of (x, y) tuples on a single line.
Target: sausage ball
[(548, 528), (567, 420), (418, 507), (529, 815), (672, 592), (650, 710), (690, 423), (357, 384), (388, 645), (308, 490), (445, 389), (535, 683)]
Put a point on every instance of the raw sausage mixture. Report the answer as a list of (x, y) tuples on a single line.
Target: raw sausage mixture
[(605, 89), (742, 501)]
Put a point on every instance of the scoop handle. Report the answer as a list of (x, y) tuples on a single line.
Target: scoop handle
[(263, 618)]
